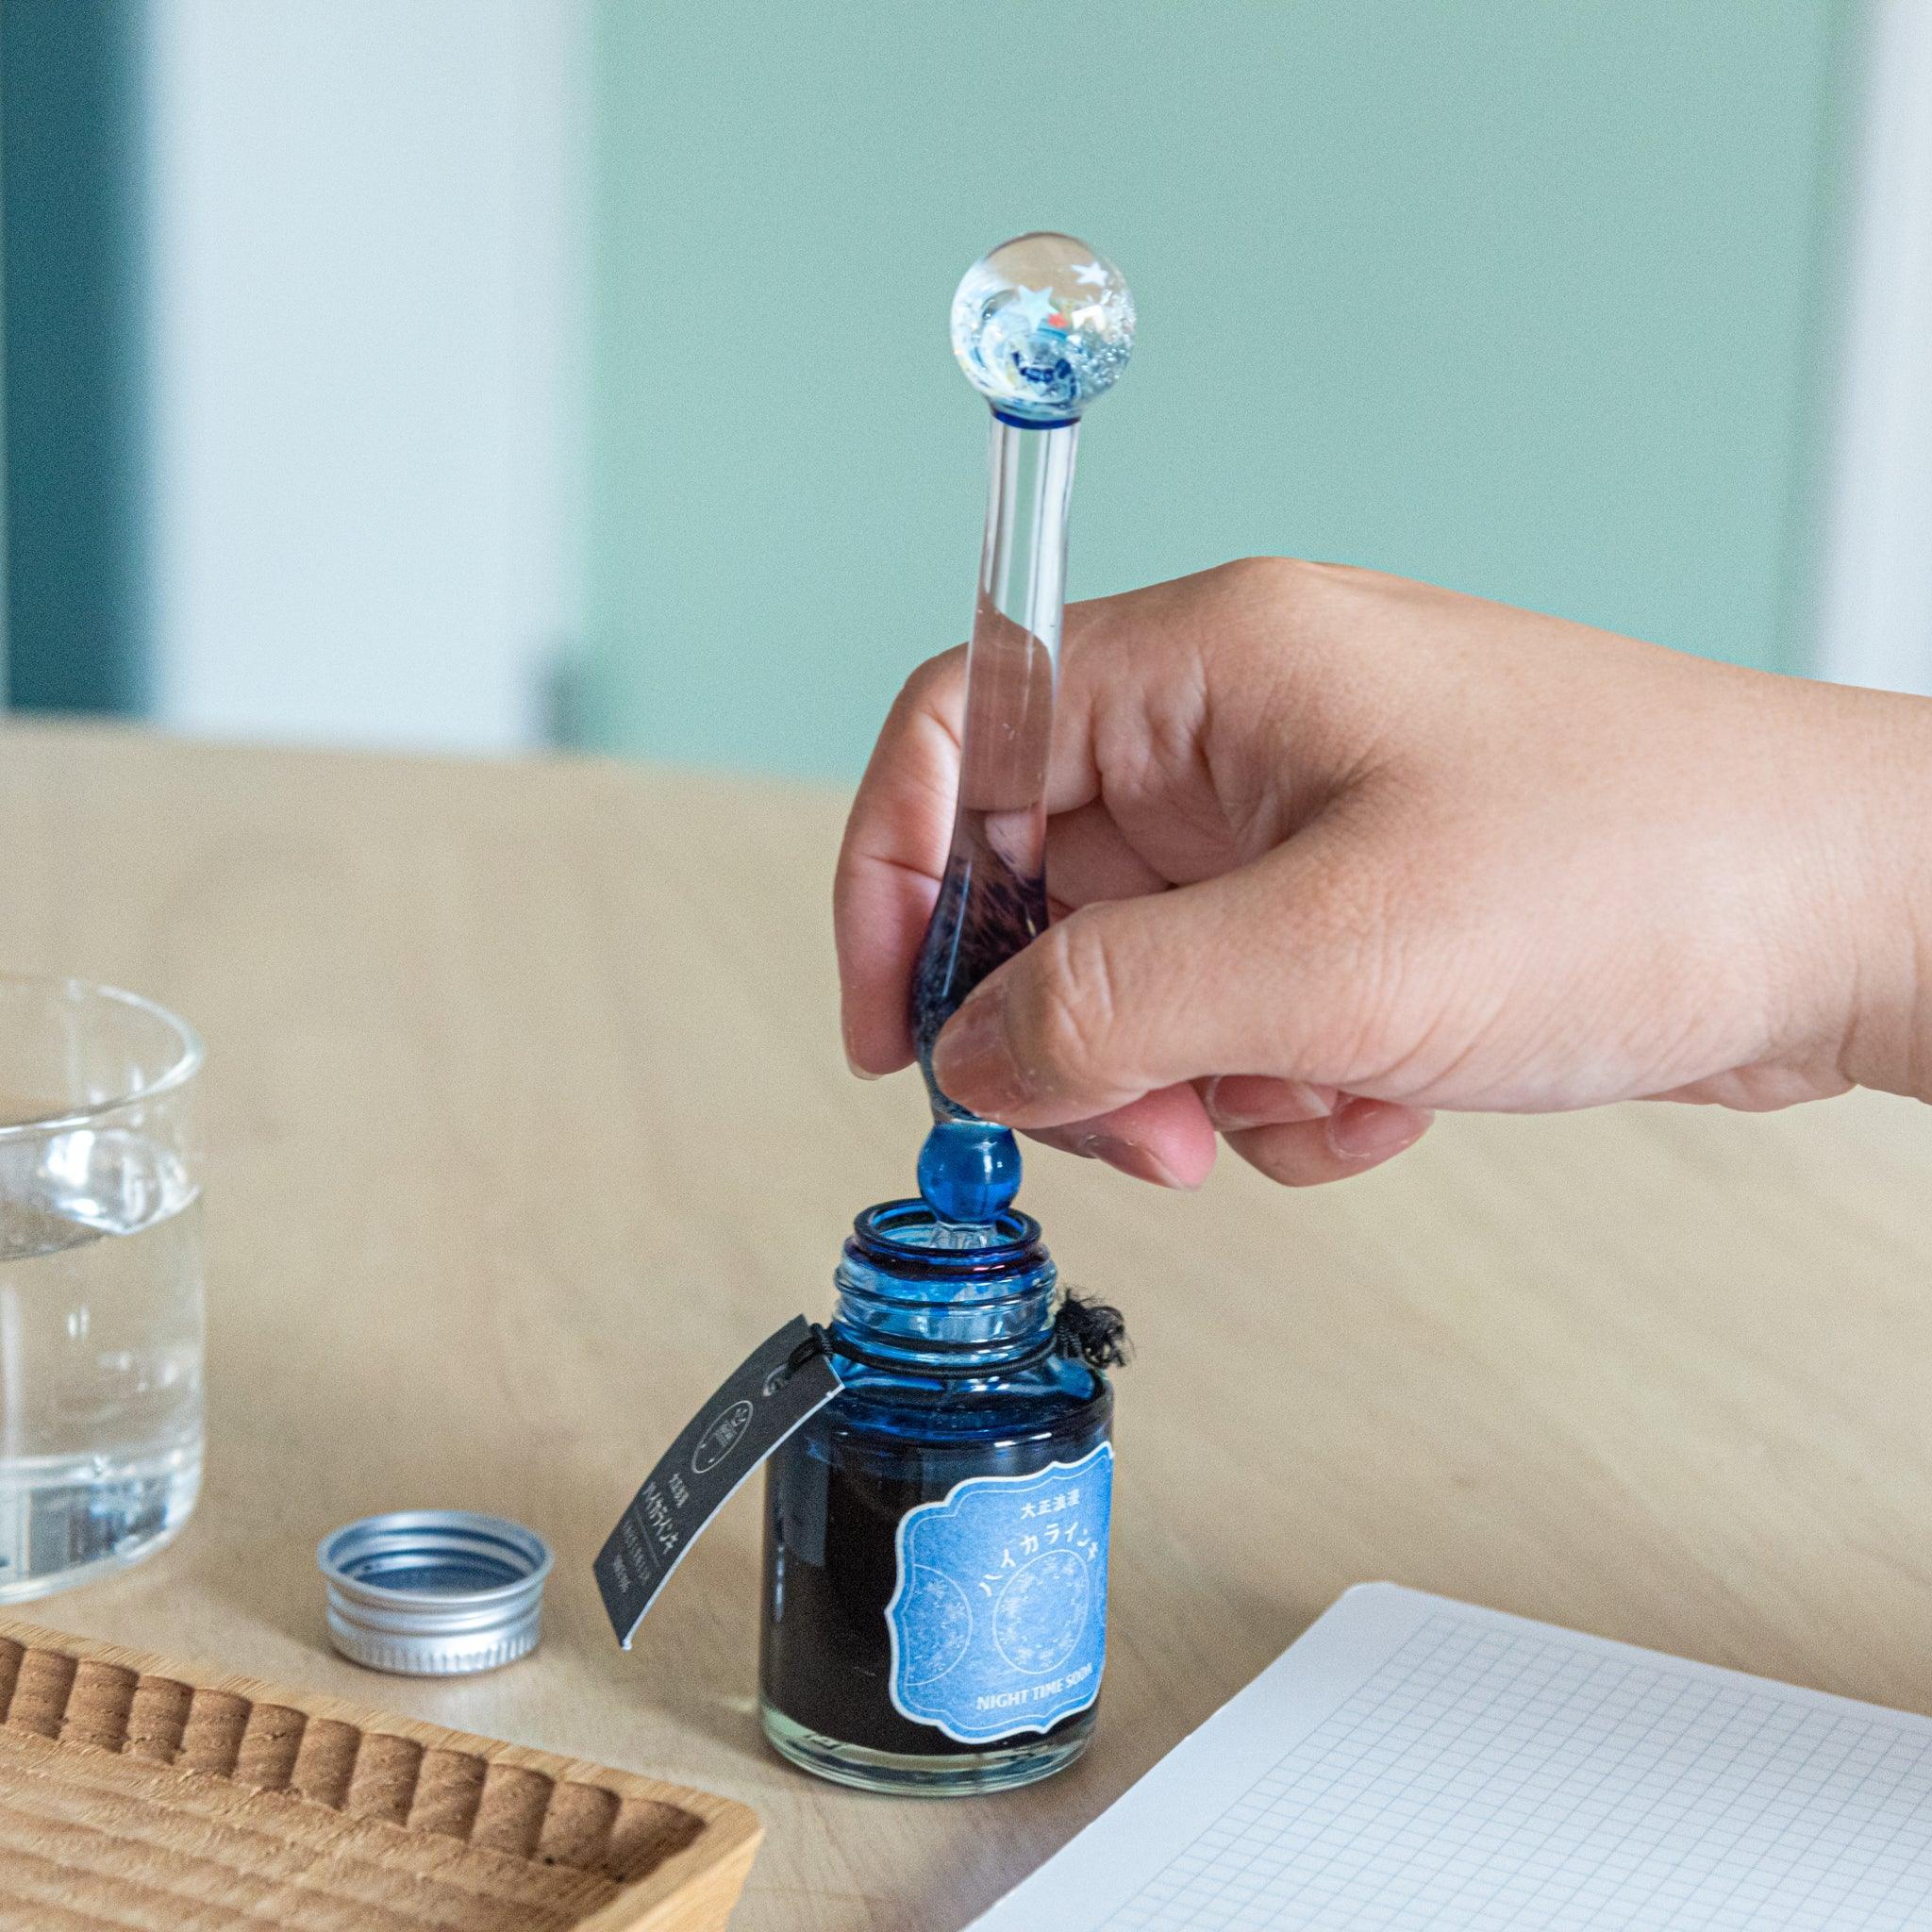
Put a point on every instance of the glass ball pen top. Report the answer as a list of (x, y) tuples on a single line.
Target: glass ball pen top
[(1041, 326)]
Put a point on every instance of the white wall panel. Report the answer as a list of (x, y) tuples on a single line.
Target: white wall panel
[(365, 260)]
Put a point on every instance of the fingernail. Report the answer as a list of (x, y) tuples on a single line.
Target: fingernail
[(1131, 1157), (972, 1059), (851, 1062), (1368, 1130), (1237, 1101)]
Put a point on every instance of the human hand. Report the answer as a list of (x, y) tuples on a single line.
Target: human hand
[(1329, 849)]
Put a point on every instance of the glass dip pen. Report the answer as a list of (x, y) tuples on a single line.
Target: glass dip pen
[(1041, 326)]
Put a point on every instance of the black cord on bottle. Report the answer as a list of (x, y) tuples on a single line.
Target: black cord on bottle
[(1094, 1332)]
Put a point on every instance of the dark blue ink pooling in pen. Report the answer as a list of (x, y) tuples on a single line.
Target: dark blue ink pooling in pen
[(969, 1168)]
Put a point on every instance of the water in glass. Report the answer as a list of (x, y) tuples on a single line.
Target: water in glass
[(100, 1353)]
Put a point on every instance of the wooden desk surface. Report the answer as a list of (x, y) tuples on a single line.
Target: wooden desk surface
[(528, 1117)]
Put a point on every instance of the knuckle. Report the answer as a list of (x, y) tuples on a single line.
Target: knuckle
[(1274, 615), (1262, 579), (1295, 583), (1355, 937), (1068, 1015), (934, 692), (931, 682), (1309, 596)]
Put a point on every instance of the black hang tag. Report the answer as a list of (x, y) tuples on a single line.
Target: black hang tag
[(784, 1381)]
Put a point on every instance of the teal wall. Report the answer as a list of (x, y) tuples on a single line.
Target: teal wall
[(1524, 297), (72, 319)]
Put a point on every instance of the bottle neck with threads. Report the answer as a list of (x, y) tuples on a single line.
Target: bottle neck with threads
[(909, 1301)]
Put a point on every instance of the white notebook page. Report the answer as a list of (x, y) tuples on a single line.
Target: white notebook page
[(1412, 1762)]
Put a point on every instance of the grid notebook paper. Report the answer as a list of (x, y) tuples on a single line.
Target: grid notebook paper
[(1412, 1762)]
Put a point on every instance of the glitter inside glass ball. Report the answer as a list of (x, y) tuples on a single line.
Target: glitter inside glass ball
[(1042, 326)]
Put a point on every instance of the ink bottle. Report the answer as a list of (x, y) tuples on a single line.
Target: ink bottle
[(936, 1537)]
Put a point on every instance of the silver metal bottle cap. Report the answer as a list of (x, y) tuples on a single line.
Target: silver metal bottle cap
[(434, 1593)]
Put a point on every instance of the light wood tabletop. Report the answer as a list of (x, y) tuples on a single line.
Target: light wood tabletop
[(528, 1118)]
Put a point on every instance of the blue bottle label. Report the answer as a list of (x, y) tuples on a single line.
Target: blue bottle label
[(998, 1620)]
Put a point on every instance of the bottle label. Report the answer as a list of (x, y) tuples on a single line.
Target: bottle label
[(786, 1379), (998, 1620)]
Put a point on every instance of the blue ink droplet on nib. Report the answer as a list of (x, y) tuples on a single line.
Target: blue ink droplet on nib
[(968, 1171)]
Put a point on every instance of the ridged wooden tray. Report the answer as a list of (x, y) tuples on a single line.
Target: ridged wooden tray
[(137, 1794)]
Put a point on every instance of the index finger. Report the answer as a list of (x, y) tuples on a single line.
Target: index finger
[(890, 862)]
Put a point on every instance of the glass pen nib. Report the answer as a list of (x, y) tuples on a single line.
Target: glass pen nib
[(968, 1171)]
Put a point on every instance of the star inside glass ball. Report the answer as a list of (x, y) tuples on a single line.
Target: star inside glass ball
[(1042, 326)]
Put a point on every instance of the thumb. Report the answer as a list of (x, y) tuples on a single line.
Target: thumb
[(1259, 971)]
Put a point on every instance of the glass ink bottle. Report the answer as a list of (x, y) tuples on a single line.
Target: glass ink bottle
[(936, 1535)]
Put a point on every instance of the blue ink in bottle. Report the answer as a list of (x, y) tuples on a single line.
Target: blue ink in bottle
[(936, 1538)]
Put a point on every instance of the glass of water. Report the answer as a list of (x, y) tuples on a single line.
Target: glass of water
[(100, 1281)]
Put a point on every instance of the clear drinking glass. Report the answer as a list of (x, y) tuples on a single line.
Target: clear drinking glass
[(100, 1281)]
